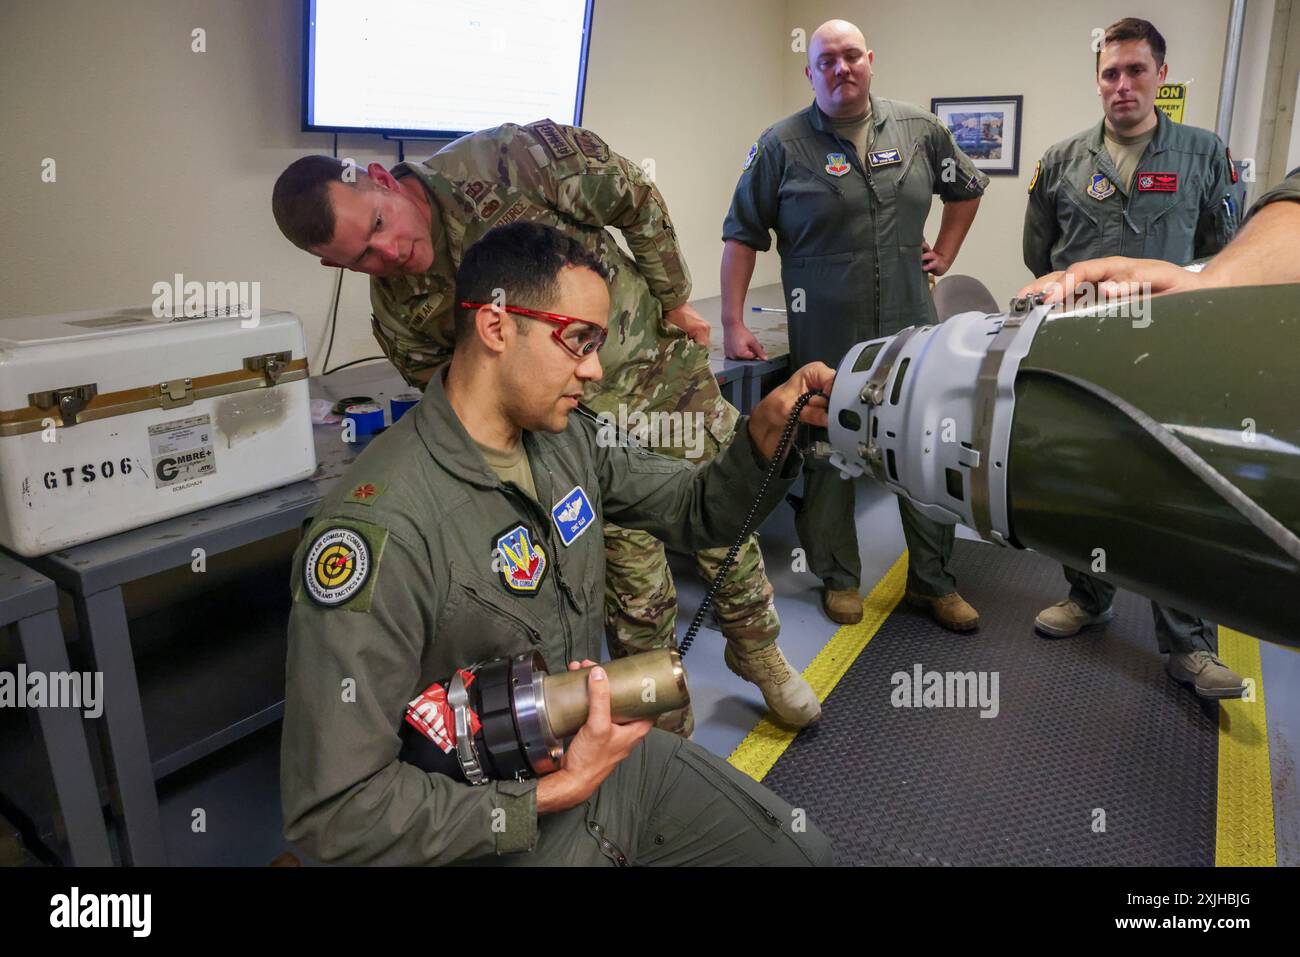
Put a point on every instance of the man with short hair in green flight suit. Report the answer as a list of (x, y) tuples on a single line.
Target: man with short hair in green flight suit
[(1136, 184), (470, 531), (846, 185)]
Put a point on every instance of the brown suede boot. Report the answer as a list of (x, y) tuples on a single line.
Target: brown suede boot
[(950, 610), (842, 605)]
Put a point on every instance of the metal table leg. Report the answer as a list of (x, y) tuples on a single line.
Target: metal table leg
[(102, 618), (41, 641)]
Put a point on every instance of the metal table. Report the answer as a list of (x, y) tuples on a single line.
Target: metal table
[(95, 572), (29, 601), (742, 380)]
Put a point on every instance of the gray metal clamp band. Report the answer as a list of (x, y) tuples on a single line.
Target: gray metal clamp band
[(994, 406), (466, 753)]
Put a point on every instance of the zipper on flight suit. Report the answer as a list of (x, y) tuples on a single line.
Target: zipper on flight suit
[(607, 847), (875, 228)]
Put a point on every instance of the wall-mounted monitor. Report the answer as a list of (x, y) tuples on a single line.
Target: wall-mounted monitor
[(441, 68)]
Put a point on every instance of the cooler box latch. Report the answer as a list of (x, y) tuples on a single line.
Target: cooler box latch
[(69, 400), (270, 364)]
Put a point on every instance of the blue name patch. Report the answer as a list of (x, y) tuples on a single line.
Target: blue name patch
[(884, 157), (573, 515)]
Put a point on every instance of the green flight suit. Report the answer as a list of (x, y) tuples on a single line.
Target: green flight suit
[(849, 231), (1181, 207), (403, 577), (569, 178), (1288, 189), (1078, 208)]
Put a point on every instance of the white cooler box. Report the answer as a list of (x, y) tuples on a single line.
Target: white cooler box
[(113, 420)]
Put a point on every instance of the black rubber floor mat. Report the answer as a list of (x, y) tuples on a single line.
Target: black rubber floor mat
[(1094, 755)]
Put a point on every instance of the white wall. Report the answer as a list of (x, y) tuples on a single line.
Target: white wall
[(166, 157), (1000, 47), (1248, 102)]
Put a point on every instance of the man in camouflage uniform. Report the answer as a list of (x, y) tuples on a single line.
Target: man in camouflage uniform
[(407, 229)]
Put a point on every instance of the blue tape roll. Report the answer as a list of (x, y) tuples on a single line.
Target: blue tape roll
[(399, 403), (368, 417)]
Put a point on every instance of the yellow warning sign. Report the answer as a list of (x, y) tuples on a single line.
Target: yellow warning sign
[(1170, 98)]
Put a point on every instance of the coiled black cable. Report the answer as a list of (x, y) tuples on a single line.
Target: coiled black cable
[(727, 562)]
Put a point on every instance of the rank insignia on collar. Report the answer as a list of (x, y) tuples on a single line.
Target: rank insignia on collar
[(837, 164), (1158, 182), (573, 515), (365, 493), (521, 561), (884, 157), (1100, 187)]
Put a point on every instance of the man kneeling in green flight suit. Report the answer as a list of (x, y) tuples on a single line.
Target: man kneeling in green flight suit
[(492, 453)]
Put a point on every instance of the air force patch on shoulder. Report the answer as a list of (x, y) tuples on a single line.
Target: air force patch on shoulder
[(573, 515), (337, 566), (753, 155), (521, 560)]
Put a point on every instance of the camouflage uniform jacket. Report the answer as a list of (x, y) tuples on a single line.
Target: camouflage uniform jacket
[(569, 178)]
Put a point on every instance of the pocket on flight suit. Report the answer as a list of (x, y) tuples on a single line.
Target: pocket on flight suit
[(1079, 227), (762, 817), (837, 296), (486, 624), (1170, 229)]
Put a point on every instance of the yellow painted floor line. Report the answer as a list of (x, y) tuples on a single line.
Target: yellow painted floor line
[(1244, 835), (768, 741)]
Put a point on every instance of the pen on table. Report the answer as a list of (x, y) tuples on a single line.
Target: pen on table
[(765, 309)]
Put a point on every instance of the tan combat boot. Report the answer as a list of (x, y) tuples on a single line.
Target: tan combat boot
[(1207, 674), (1067, 618), (842, 605), (950, 610), (789, 697)]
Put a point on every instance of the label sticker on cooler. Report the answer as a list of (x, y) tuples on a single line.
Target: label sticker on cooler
[(181, 451)]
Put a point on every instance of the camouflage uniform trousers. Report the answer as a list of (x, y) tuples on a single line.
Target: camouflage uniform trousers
[(640, 598)]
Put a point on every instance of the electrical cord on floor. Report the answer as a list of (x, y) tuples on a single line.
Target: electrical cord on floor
[(772, 468)]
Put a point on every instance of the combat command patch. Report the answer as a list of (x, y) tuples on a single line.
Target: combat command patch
[(553, 139), (521, 561), (337, 567), (837, 164), (341, 565)]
